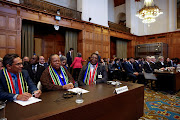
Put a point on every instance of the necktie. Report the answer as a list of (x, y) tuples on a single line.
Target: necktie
[(131, 65), (14, 77), (33, 69), (149, 66)]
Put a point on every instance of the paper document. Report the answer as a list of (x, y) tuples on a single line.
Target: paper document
[(31, 100), (75, 90)]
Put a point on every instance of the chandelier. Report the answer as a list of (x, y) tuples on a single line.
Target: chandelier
[(149, 12)]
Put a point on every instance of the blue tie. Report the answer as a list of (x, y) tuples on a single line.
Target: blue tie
[(14, 77)]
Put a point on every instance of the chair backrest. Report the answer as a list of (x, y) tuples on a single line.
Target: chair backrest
[(39, 86), (149, 76)]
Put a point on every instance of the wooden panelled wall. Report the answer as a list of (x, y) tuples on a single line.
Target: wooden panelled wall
[(95, 39), (172, 39), (10, 30), (91, 37)]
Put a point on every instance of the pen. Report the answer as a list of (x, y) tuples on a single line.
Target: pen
[(34, 94)]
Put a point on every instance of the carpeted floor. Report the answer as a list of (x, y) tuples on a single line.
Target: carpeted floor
[(161, 106)]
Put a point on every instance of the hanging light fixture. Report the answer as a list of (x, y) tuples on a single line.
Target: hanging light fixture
[(149, 12)]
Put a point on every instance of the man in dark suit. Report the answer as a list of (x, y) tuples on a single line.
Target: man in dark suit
[(137, 65), (15, 83), (131, 72), (69, 58), (153, 62), (93, 72), (169, 62), (146, 66), (34, 69), (160, 64)]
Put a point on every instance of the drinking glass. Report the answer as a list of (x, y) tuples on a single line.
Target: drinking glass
[(2, 110), (117, 84), (79, 98)]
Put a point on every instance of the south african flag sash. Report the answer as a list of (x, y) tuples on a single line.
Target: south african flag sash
[(22, 85), (89, 76), (56, 79)]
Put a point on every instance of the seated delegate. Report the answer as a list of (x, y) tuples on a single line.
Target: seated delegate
[(15, 83), (56, 76), (93, 72)]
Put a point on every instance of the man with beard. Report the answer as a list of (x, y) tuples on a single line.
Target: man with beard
[(93, 72)]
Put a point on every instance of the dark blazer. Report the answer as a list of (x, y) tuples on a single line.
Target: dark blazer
[(147, 68), (45, 65), (137, 67), (100, 68), (35, 76), (111, 68), (128, 68), (153, 65), (118, 66), (158, 65), (4, 92), (69, 59), (99, 58), (169, 64)]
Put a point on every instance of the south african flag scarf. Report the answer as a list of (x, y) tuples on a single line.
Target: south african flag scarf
[(56, 79), (89, 76), (22, 85)]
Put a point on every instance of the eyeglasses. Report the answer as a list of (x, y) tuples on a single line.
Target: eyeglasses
[(18, 64), (94, 58)]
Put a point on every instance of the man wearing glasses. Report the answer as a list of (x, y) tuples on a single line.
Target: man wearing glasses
[(15, 83), (93, 72)]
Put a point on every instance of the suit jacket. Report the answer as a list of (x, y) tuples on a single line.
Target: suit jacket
[(69, 58), (169, 64), (46, 81), (118, 66), (153, 65), (137, 67), (111, 68), (128, 68), (158, 65), (147, 68), (35, 76), (4, 91), (100, 68), (45, 65), (77, 63)]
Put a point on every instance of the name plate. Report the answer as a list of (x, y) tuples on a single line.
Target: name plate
[(121, 89)]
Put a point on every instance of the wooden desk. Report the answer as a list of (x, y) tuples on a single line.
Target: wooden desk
[(168, 80), (99, 104)]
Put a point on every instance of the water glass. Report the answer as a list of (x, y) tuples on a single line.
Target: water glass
[(117, 84), (79, 98), (2, 110)]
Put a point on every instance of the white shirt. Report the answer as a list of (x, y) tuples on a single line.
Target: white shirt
[(41, 64), (35, 67), (70, 53)]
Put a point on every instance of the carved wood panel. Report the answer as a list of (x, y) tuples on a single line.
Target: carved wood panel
[(52, 43), (172, 39), (9, 31)]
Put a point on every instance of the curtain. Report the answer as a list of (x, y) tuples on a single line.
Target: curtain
[(27, 40), (71, 42), (121, 48)]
